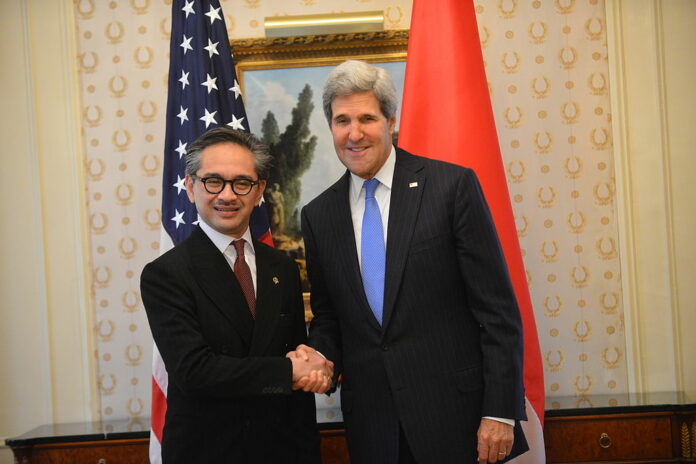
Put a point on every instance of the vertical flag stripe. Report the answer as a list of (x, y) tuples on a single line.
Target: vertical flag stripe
[(447, 115)]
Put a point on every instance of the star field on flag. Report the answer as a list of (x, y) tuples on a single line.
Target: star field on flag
[(203, 94)]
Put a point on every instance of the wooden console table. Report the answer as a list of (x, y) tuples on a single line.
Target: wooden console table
[(648, 428), (628, 428), (124, 442)]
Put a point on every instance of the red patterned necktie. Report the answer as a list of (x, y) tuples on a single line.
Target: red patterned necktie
[(243, 273)]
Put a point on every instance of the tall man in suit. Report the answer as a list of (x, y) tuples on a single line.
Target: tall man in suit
[(410, 293), (224, 311)]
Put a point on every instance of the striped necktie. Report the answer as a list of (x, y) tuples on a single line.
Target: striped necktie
[(243, 274)]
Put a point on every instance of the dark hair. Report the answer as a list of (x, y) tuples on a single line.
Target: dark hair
[(257, 148)]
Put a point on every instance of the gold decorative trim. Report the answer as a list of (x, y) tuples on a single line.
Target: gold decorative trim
[(685, 441), (363, 21), (317, 50)]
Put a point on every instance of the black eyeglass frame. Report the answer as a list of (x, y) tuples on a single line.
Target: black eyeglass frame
[(232, 182)]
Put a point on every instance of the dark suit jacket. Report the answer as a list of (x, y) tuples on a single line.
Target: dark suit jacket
[(450, 348), (229, 398)]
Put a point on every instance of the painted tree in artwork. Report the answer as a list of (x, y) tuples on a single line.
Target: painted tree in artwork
[(269, 130), (293, 151)]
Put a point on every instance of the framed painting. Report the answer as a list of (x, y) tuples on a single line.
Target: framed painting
[(282, 81)]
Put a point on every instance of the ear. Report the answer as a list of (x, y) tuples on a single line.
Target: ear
[(189, 189), (262, 188), (392, 124)]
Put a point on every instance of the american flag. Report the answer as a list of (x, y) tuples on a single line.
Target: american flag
[(203, 93)]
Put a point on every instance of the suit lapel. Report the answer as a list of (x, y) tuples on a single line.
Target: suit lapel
[(215, 277), (268, 299), (406, 194), (345, 244)]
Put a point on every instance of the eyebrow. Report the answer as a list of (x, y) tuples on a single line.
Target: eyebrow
[(361, 115), (215, 174)]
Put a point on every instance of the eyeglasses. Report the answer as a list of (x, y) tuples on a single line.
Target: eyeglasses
[(216, 184)]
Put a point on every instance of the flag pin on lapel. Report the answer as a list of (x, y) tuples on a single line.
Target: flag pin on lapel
[(275, 280), (413, 184)]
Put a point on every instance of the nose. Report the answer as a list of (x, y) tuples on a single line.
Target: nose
[(355, 132), (227, 193)]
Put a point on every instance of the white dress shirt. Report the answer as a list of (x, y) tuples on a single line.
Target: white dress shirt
[(224, 243), (382, 194)]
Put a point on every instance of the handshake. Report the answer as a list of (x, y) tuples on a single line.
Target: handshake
[(311, 372)]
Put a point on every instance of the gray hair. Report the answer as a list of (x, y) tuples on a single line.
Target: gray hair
[(355, 76), (258, 149)]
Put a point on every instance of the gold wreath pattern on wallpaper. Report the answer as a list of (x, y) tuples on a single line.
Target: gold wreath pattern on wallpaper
[(546, 62), (547, 69)]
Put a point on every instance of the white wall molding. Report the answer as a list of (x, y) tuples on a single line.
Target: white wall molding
[(649, 146), (61, 170)]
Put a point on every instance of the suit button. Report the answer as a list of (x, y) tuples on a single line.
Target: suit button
[(385, 347), (225, 349)]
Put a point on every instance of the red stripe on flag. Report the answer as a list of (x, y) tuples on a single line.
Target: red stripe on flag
[(266, 238), (447, 115), (159, 410)]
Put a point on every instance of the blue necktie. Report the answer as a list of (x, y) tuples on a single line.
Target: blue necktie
[(372, 252)]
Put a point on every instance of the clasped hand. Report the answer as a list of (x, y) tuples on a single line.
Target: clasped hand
[(311, 372)]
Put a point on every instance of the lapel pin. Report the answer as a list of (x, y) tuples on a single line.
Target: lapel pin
[(275, 280), (413, 184)]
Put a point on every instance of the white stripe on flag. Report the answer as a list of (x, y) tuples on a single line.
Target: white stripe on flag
[(534, 434)]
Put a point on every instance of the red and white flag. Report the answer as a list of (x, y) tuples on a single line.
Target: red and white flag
[(203, 93), (446, 114)]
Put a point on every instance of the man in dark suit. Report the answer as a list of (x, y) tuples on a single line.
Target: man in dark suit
[(410, 293), (225, 311)]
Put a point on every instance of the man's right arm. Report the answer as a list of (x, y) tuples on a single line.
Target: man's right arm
[(324, 331)]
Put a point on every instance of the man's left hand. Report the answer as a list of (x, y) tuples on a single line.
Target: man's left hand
[(494, 441)]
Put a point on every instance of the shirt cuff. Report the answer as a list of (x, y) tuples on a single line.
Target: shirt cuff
[(499, 419)]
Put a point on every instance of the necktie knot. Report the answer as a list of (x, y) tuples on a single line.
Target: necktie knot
[(239, 247), (370, 187)]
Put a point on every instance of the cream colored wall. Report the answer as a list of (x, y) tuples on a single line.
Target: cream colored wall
[(45, 373), (679, 21), (45, 344), (653, 66)]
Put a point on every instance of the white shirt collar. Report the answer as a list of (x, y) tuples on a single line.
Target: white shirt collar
[(385, 175), (222, 241)]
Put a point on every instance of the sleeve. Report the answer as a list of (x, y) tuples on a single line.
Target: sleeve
[(192, 363), (304, 414), (491, 298), (324, 330)]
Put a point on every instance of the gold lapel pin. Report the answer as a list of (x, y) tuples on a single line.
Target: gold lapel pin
[(276, 281), (413, 184)]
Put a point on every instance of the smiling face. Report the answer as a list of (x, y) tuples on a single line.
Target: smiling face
[(226, 212), (362, 135)]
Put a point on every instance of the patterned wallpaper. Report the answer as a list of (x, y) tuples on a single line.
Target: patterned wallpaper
[(547, 67)]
